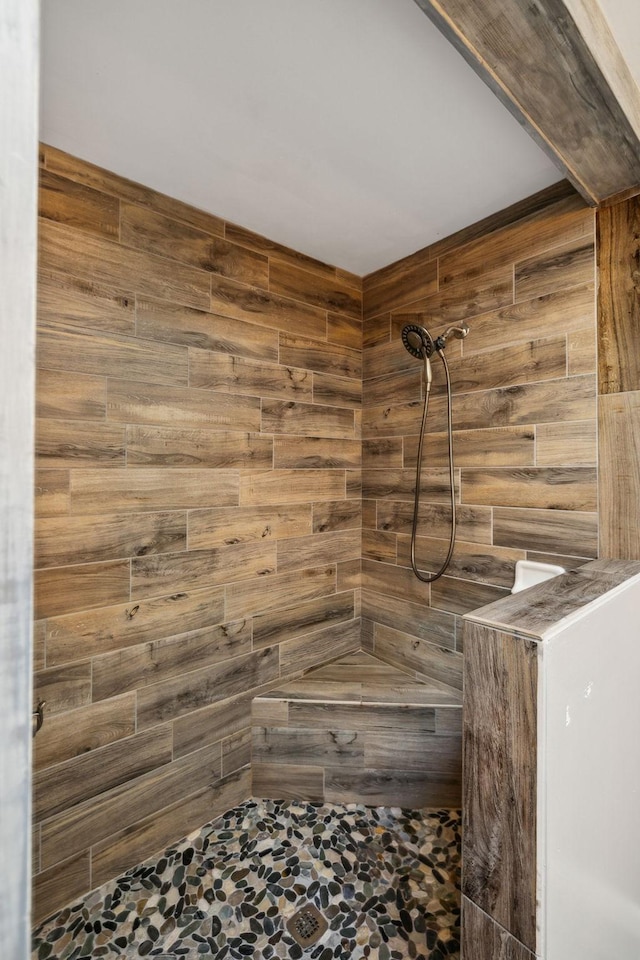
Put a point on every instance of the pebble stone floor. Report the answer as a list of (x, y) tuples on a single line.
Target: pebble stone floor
[(385, 879)]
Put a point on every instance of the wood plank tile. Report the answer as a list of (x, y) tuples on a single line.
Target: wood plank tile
[(369, 514), (412, 653), (138, 489), (128, 847), (104, 262), (61, 444), (92, 632), (571, 399), (372, 718), (257, 596), (195, 569), (69, 540), (282, 781), (314, 649), (75, 205), (235, 375), (565, 266), (62, 884), (556, 488), (307, 419), (499, 817), (337, 515), (581, 352), (107, 182), (378, 545), (131, 402), (321, 356), (618, 228), (389, 580), (572, 311), (63, 590), (51, 493), (404, 386), (331, 547), (436, 626), (174, 323), (210, 724), (76, 732), (388, 357), (64, 688), (180, 695), (236, 751), (470, 561), (39, 651), (492, 446), (411, 278), (70, 398), (346, 331), (461, 596), (525, 362), (58, 788), (400, 419), (465, 297), (619, 433), (308, 747), (229, 525), (385, 453), (291, 486), (276, 251), (484, 939), (297, 620), (196, 447), (97, 819), (337, 391), (240, 302), (400, 485), (146, 230), (311, 288), (414, 752), (112, 355), (391, 788), (315, 453), (568, 444), (551, 531), (139, 666), (376, 330), (269, 713), (349, 577), (72, 303)]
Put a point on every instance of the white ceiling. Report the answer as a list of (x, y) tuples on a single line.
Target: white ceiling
[(624, 20), (351, 131)]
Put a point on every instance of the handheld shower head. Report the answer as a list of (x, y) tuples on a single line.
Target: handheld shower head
[(417, 340)]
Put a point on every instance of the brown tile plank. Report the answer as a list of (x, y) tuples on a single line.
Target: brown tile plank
[(75, 205), (64, 688), (462, 596), (312, 747), (139, 666), (385, 453), (618, 305), (314, 649), (51, 493), (276, 251), (410, 653), (174, 323), (138, 489), (104, 262), (283, 781), (551, 531), (404, 788), (526, 362), (291, 486), (388, 751), (311, 288), (568, 444), (70, 398), (373, 718), (427, 623), (212, 723), (472, 523), (236, 751), (287, 622), (151, 232), (401, 484), (484, 939), (581, 352), (331, 547), (307, 419), (92, 632), (345, 331), (62, 884), (556, 488), (77, 732), (195, 569), (154, 446), (337, 391), (403, 386), (180, 695), (321, 356), (337, 515), (619, 432), (75, 303), (235, 375), (411, 278), (240, 302), (63, 590), (564, 266), (61, 444), (492, 446), (470, 561), (261, 596), (376, 330), (229, 525), (131, 402), (69, 540), (387, 579)]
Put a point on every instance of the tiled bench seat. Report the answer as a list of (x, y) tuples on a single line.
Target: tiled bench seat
[(359, 731)]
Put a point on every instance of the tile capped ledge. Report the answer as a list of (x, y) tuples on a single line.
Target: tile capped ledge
[(540, 610)]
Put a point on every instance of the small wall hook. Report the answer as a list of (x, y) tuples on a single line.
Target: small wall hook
[(37, 717)]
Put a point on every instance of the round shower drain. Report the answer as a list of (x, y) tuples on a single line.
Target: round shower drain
[(307, 925)]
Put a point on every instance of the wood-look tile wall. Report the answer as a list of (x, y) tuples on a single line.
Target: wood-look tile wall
[(198, 509), (524, 415), (619, 379)]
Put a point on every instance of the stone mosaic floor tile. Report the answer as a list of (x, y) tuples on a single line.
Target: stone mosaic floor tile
[(385, 879)]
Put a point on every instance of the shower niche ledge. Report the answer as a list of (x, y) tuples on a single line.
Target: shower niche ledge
[(359, 731), (551, 718)]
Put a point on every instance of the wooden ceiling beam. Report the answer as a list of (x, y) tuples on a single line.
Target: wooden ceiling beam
[(562, 76)]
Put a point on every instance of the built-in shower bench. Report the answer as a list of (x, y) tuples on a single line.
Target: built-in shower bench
[(359, 731)]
